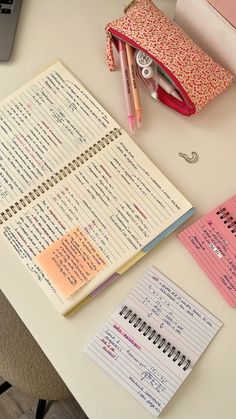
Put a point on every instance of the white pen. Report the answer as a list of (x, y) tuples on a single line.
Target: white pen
[(167, 86), (147, 73), (146, 64)]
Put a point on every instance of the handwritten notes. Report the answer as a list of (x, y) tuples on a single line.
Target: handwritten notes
[(178, 317), (211, 241), (152, 341), (114, 198), (65, 163), (71, 261), (43, 126)]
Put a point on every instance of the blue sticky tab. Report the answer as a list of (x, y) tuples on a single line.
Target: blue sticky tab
[(168, 230)]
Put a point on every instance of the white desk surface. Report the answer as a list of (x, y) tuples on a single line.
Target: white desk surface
[(73, 31)]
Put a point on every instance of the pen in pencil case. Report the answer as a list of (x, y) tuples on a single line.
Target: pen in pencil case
[(195, 75), (126, 85), (152, 77), (134, 85)]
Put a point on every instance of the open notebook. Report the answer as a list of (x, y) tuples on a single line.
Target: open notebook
[(78, 199), (153, 339)]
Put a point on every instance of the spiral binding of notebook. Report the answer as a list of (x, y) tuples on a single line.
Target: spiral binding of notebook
[(155, 338), (229, 221), (59, 175)]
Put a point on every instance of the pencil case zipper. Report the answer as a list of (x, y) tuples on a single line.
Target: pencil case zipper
[(185, 107)]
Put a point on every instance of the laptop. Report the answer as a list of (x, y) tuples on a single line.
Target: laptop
[(9, 13)]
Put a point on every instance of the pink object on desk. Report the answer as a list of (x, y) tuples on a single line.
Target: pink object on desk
[(195, 75), (126, 85), (212, 242), (226, 8)]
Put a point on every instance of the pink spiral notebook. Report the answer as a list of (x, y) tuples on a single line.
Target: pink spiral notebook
[(226, 8), (212, 242)]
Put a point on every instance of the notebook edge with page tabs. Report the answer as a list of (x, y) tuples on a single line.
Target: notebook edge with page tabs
[(78, 306)]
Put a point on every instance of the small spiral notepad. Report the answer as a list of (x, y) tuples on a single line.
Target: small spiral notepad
[(154, 338), (211, 241)]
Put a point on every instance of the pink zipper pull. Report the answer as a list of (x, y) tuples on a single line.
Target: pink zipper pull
[(109, 53)]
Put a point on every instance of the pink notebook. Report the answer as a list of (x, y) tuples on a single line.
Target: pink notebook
[(212, 242), (226, 8)]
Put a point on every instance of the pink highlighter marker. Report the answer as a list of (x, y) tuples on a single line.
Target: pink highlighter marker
[(126, 85)]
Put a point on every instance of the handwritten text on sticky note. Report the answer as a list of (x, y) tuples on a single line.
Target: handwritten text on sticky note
[(71, 261)]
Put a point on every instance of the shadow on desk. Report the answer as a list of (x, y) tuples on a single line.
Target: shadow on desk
[(17, 405)]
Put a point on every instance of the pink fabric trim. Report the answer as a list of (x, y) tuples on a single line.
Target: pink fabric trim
[(109, 53), (174, 103)]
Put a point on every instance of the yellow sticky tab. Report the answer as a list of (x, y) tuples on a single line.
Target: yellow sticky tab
[(130, 263)]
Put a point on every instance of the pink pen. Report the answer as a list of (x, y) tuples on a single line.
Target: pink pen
[(126, 85)]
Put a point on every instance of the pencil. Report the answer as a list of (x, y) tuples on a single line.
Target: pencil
[(126, 85), (134, 86)]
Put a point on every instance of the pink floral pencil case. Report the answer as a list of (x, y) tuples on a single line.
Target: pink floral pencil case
[(196, 77)]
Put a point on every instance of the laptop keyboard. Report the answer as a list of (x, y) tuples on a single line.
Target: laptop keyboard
[(6, 6)]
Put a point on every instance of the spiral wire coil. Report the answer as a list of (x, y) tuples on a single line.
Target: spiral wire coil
[(59, 175), (155, 337), (229, 221)]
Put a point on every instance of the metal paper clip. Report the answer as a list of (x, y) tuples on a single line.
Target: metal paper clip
[(192, 159)]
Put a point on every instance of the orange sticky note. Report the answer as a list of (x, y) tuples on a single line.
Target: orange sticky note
[(71, 261)]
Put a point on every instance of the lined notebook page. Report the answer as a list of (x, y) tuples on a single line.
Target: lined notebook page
[(43, 126), (211, 241), (153, 339), (118, 199), (103, 202)]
